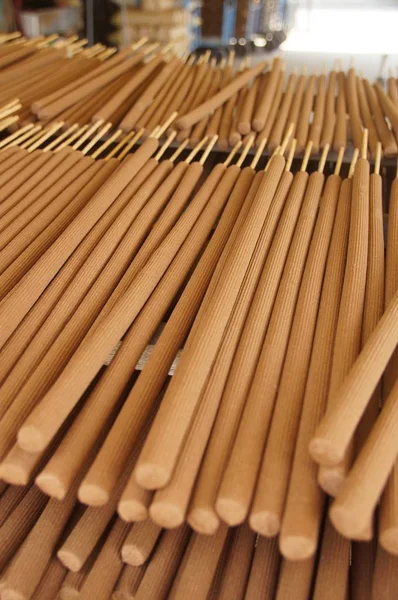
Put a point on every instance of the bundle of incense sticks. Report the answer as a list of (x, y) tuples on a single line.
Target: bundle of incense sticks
[(52, 83), (51, 552), (268, 283)]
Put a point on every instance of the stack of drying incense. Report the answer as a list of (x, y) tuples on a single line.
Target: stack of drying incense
[(270, 286), (61, 551), (139, 88)]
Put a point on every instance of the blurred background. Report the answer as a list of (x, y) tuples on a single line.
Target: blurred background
[(310, 32)]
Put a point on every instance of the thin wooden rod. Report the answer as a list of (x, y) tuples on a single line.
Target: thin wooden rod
[(107, 143), (167, 143), (195, 150), (231, 155), (131, 143), (61, 137), (245, 150), (306, 158), (179, 150), (72, 138), (120, 145), (258, 154), (45, 136), (339, 161), (209, 148), (96, 138), (89, 132)]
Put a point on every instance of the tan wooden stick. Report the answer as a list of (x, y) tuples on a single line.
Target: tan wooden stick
[(340, 131), (198, 566), (268, 506), (171, 502), (304, 505), (220, 98), (353, 108), (140, 542), (239, 479), (333, 568), (263, 576), (41, 274), (163, 566), (264, 106)]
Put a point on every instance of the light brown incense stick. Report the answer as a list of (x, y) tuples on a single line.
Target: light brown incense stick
[(363, 557), (392, 86), (386, 137), (297, 576), (151, 380), (359, 384), (201, 128), (80, 194), (86, 534), (236, 571), (171, 502), (128, 582), (19, 522), (155, 464), (236, 489), (123, 366), (84, 89), (353, 108), (296, 104), (200, 95), (303, 511), (172, 100), (107, 567), (303, 121), (268, 506), (227, 115), (107, 110), (36, 214), (388, 522), (39, 276), (220, 98), (388, 105), (29, 565), (29, 190), (202, 509), (264, 105), (332, 574), (51, 582), (320, 110), (264, 570), (234, 135), (352, 510), (349, 330), (99, 293), (263, 135), (88, 272), (150, 94), (275, 137), (340, 131), (367, 117), (245, 117), (140, 542), (214, 121), (115, 324), (163, 565), (385, 577), (73, 582), (198, 566), (9, 500)]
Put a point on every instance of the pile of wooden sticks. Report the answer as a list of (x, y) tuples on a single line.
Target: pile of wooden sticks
[(52, 84), (271, 287), (61, 551)]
